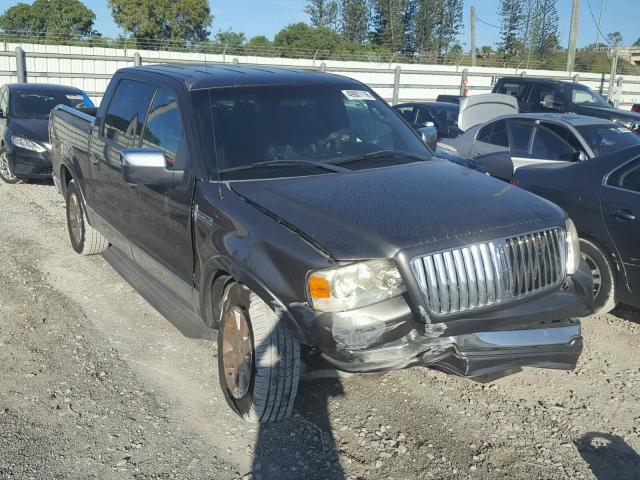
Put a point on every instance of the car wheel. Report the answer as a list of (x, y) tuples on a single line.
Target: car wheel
[(603, 277), (85, 239), (6, 174), (258, 358)]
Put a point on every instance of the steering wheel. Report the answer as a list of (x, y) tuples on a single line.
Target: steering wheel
[(333, 144)]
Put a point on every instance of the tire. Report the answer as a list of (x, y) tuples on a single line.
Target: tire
[(6, 174), (603, 276), (262, 386), (85, 239)]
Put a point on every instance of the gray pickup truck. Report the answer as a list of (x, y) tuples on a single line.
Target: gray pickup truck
[(290, 214)]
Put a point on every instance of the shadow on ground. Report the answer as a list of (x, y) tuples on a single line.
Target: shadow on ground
[(609, 457), (624, 312)]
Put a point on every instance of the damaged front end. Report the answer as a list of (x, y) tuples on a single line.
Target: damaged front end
[(483, 310)]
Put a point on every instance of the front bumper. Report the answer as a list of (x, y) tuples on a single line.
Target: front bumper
[(29, 164), (539, 332)]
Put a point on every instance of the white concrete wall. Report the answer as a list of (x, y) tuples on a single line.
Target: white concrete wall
[(90, 69)]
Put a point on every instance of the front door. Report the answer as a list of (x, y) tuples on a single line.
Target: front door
[(545, 146), (120, 128), (161, 215), (620, 203)]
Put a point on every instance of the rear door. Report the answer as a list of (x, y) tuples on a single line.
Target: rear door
[(491, 138), (161, 215), (620, 203), (119, 128)]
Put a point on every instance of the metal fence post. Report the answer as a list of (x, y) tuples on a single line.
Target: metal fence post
[(576, 78), (618, 97), (137, 59), (396, 85), (464, 78), (21, 65), (323, 67)]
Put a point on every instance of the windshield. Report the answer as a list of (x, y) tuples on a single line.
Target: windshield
[(38, 105), (581, 95), (295, 127), (608, 138)]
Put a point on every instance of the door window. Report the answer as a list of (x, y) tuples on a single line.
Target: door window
[(515, 89), (547, 145), (545, 91), (124, 117), (564, 133), (627, 177), (495, 133), (164, 129), (407, 113), (424, 116), (521, 132)]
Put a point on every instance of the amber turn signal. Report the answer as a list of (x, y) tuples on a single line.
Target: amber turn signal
[(319, 287)]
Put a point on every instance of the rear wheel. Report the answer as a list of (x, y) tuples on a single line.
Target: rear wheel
[(6, 173), (603, 277), (258, 358), (85, 239)]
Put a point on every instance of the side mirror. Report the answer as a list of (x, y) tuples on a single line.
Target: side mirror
[(611, 103), (148, 166), (579, 156), (429, 136)]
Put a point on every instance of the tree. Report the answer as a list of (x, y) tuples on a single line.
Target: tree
[(637, 43), (54, 19), (511, 18), (299, 39), (355, 16), (486, 51), (153, 21), (429, 14), (230, 39), (544, 32), (614, 39), (389, 23), (447, 29), (259, 41), (322, 13)]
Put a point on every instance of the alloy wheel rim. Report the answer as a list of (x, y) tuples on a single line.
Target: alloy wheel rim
[(5, 169), (595, 273), (237, 353), (75, 217)]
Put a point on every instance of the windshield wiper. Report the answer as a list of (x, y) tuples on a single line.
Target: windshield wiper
[(381, 154), (285, 163)]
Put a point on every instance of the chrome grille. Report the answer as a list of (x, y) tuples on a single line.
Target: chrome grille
[(490, 273)]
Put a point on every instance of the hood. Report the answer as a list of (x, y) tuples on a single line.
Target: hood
[(610, 113), (481, 108), (375, 213), (33, 129)]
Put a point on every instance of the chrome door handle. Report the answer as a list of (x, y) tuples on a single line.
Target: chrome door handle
[(624, 215)]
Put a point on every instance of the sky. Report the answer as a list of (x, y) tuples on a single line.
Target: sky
[(267, 17)]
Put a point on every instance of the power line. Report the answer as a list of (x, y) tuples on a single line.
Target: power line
[(487, 23), (593, 17)]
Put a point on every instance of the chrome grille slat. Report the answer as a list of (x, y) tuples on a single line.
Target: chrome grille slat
[(490, 273)]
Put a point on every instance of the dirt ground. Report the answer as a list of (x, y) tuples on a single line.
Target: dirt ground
[(94, 383)]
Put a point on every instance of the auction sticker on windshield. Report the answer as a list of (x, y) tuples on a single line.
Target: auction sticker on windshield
[(358, 95)]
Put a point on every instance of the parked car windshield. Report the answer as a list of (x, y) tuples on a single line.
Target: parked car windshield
[(608, 138), (298, 127), (31, 104), (581, 95), (448, 113)]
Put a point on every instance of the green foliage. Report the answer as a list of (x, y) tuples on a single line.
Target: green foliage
[(390, 23), (259, 42), (149, 22), (322, 13), (52, 19), (302, 37), (637, 43), (614, 38), (511, 17), (355, 16), (230, 39)]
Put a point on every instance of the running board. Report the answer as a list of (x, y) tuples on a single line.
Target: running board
[(163, 300)]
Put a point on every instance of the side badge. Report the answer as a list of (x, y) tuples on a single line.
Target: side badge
[(201, 217)]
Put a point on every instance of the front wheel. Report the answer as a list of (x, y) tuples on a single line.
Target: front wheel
[(604, 287), (6, 173), (258, 358), (85, 239)]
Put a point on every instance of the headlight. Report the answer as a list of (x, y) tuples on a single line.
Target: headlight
[(27, 144), (573, 247), (354, 286)]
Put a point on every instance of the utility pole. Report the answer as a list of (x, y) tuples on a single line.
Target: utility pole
[(614, 71), (599, 22), (573, 35), (474, 18)]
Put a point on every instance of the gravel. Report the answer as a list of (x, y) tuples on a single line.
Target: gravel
[(96, 384)]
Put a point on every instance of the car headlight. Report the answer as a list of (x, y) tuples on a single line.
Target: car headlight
[(353, 286), (573, 247), (27, 144)]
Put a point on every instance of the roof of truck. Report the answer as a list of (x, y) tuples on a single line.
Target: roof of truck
[(200, 76)]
